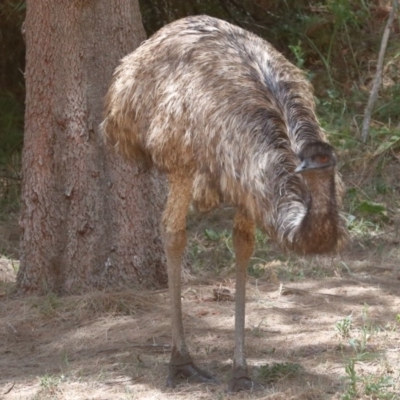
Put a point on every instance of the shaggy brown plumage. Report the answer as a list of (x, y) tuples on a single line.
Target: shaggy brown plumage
[(227, 118)]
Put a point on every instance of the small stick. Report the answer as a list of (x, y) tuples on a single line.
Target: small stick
[(9, 387), (378, 77), (143, 346)]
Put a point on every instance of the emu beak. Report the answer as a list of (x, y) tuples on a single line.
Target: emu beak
[(301, 167)]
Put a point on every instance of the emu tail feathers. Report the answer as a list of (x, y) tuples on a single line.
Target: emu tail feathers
[(124, 138)]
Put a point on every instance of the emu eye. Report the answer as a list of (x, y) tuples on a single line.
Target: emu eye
[(322, 159)]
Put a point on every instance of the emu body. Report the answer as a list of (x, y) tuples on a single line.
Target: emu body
[(228, 119)]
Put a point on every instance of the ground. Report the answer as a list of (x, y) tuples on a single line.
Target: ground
[(321, 328)]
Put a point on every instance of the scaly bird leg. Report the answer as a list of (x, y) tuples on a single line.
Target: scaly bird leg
[(174, 238), (243, 243)]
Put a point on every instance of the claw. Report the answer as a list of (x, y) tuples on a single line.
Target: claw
[(190, 372), (241, 381)]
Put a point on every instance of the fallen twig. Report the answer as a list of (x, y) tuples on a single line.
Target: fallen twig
[(9, 387)]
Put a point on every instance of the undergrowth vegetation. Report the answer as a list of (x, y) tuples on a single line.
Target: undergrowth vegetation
[(360, 338), (12, 53)]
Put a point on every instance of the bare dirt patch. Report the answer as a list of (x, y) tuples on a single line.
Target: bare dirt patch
[(316, 329)]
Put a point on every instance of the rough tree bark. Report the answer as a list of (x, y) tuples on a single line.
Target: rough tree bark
[(88, 219)]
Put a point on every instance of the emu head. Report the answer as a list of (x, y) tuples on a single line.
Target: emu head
[(316, 157)]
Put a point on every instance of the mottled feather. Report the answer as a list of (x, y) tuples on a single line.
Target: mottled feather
[(212, 101)]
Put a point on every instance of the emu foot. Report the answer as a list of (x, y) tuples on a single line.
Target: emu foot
[(190, 372), (241, 381)]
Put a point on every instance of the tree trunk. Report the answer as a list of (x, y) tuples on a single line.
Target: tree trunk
[(88, 219)]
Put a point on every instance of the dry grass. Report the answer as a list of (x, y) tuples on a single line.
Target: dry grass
[(116, 345)]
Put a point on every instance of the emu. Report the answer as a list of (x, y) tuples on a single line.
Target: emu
[(228, 119)]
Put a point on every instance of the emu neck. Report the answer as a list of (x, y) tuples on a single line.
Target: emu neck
[(321, 185), (318, 232)]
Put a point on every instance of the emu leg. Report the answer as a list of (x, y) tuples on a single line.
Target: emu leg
[(243, 242), (174, 238)]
